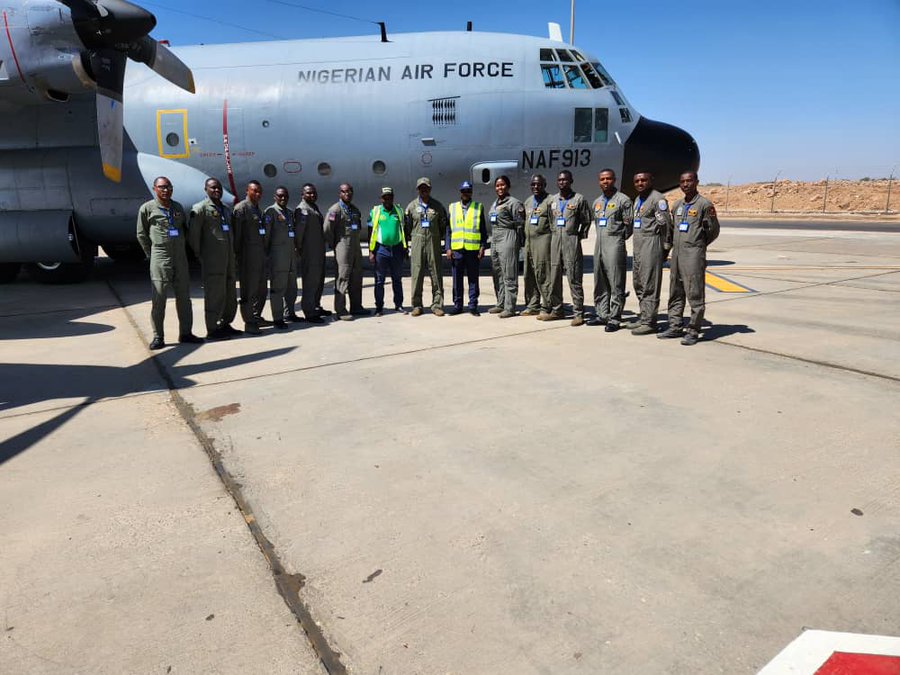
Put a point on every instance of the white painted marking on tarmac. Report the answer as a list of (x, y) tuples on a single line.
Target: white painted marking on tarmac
[(806, 654)]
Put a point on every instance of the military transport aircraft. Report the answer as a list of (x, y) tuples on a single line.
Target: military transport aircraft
[(369, 110)]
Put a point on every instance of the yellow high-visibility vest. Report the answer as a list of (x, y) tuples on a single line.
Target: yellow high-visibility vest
[(466, 231), (376, 233)]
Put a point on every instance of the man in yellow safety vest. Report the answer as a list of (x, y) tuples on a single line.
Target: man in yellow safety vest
[(465, 246)]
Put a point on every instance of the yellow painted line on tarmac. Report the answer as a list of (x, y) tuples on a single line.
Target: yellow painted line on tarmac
[(724, 285)]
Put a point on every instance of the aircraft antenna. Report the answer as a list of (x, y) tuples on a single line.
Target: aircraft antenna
[(468, 26), (572, 25), (383, 31)]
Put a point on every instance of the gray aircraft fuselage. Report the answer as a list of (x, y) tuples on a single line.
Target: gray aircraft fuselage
[(452, 106)]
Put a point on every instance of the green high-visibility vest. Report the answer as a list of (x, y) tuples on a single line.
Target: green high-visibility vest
[(378, 211), (466, 230)]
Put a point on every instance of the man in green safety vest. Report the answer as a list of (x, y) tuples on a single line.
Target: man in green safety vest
[(387, 249), (465, 246)]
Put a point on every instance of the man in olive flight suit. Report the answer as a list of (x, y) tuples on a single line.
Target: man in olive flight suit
[(343, 225), (426, 219), (695, 226), (613, 218), (537, 249), (652, 227), (210, 237), (251, 239), (507, 222), (570, 222), (311, 247), (161, 232), (280, 250)]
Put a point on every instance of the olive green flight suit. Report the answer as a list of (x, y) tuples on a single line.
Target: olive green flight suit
[(343, 225), (537, 253), (428, 225), (506, 221), (613, 218), (161, 233), (652, 225), (565, 249), (210, 237), (281, 253), (250, 242), (311, 247), (695, 226)]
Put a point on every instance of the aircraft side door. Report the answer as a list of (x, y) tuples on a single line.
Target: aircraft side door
[(172, 134)]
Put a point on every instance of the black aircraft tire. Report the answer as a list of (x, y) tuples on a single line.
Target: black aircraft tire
[(61, 273), (9, 272), (124, 252)]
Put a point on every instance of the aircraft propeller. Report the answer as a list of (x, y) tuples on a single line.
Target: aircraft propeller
[(114, 31)]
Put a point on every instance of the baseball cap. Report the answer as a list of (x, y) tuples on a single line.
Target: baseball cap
[(387, 191), (465, 185), (423, 181)]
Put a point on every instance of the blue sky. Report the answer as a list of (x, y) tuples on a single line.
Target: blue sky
[(808, 88)]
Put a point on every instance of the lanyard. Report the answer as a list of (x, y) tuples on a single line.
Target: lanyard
[(257, 212), (562, 206), (605, 204), (684, 213), (221, 211), (346, 210), (640, 202), (169, 214), (423, 206)]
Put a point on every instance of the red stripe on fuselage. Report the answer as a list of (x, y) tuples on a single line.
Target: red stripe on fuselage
[(228, 168), (11, 47)]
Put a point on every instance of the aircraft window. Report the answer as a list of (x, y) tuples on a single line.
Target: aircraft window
[(582, 132), (379, 167), (324, 169), (625, 114), (172, 140), (578, 56), (552, 77), (270, 170), (607, 80), (547, 55), (576, 78), (601, 125), (592, 76), (564, 56), (616, 97)]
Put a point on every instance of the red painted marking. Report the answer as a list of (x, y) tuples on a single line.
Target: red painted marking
[(845, 663), (228, 167), (11, 47)]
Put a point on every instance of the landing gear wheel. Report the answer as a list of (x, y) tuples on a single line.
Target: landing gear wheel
[(63, 273), (9, 272)]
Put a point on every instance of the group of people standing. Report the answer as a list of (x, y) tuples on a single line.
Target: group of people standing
[(265, 249)]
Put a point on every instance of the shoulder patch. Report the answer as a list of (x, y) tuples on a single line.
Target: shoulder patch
[(332, 216), (711, 211), (663, 205)]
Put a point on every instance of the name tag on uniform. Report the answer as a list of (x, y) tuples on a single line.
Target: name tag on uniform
[(534, 220), (172, 231), (561, 222), (354, 226), (225, 228), (262, 231), (291, 234), (425, 222), (601, 222), (682, 227), (493, 217), (637, 223)]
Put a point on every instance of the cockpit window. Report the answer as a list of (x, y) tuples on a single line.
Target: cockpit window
[(625, 114), (616, 97), (607, 80), (591, 125), (578, 56), (575, 78), (564, 56), (552, 75), (547, 55), (592, 76)]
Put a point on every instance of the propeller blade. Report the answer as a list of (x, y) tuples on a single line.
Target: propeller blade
[(107, 23), (163, 62), (108, 66)]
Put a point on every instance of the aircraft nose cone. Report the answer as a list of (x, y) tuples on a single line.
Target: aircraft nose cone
[(663, 149)]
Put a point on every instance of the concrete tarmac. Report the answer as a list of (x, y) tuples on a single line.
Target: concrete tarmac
[(457, 494)]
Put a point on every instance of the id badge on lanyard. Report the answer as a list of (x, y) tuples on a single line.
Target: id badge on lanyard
[(683, 225), (172, 231), (423, 220), (637, 217), (561, 220)]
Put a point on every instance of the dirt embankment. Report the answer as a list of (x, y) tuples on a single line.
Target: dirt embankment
[(843, 198)]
